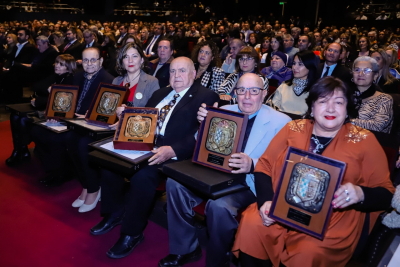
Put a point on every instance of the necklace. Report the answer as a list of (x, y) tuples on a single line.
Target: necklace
[(318, 144), (128, 82)]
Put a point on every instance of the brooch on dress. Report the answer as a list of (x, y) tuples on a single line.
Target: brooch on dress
[(356, 134), (297, 125)]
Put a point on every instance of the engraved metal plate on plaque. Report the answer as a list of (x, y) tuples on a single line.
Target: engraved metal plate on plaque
[(108, 103), (138, 127), (62, 101), (221, 136)]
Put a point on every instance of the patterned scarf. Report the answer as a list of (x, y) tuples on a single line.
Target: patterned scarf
[(299, 85)]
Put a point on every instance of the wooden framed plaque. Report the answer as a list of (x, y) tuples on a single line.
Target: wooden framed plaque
[(305, 191), (220, 135), (62, 101), (108, 97), (136, 129)]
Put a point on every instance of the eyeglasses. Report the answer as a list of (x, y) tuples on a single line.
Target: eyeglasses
[(366, 71), (244, 59), (92, 60), (252, 90)]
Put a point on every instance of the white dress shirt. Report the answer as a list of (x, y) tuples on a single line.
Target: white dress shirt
[(331, 68), (20, 47), (165, 102)]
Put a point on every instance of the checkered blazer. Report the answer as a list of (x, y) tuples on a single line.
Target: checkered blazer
[(213, 78)]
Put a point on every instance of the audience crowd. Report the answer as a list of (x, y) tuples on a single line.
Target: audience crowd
[(329, 90)]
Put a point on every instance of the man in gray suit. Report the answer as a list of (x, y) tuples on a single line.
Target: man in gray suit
[(264, 123)]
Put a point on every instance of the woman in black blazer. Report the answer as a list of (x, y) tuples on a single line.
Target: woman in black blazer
[(64, 68)]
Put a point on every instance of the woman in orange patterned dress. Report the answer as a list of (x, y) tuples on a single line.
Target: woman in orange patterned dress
[(327, 132)]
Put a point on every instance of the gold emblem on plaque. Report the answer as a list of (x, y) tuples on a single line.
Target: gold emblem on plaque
[(221, 136), (138, 127), (307, 187), (108, 103), (62, 101)]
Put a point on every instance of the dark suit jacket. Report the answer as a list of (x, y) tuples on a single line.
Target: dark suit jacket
[(27, 54), (74, 50), (79, 79), (340, 72), (155, 46), (183, 125), (163, 73)]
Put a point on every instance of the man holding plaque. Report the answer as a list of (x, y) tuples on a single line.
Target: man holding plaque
[(264, 123), (175, 139)]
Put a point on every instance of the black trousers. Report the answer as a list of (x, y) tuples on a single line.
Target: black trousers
[(51, 149), (20, 130), (78, 151), (139, 200)]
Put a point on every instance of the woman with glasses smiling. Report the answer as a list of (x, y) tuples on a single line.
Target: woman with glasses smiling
[(247, 61), (376, 109), (207, 63)]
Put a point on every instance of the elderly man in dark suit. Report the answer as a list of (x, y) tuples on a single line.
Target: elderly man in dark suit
[(175, 141), (159, 67), (331, 67), (73, 46)]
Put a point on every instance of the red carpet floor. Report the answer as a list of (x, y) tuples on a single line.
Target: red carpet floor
[(38, 226)]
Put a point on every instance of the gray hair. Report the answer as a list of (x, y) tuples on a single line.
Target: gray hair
[(297, 29), (89, 32), (372, 32), (93, 27), (43, 39), (288, 36), (372, 61)]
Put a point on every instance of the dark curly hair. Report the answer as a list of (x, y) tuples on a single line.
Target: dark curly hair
[(122, 52), (216, 61), (326, 87)]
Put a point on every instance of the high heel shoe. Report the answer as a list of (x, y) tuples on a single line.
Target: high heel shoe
[(78, 203), (86, 208)]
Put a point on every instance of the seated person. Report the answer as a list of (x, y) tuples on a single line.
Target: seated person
[(159, 67), (175, 141), (386, 82), (278, 69), (207, 63), (376, 110), (64, 69), (229, 65), (247, 62), (290, 97), (326, 131), (264, 123)]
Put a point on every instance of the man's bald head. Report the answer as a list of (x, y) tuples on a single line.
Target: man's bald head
[(181, 73), (250, 103), (236, 45)]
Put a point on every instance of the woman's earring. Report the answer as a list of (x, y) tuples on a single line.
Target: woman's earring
[(312, 115), (352, 80), (347, 116)]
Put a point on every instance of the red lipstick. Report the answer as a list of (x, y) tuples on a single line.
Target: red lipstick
[(330, 117)]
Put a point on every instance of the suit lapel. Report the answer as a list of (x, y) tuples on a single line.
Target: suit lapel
[(190, 94), (259, 130)]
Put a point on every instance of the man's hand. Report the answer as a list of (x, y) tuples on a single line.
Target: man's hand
[(79, 116), (229, 59), (202, 113), (33, 102), (162, 154), (264, 214), (79, 62), (241, 161)]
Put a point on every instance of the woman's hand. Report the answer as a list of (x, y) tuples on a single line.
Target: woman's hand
[(202, 113), (33, 102), (120, 109), (79, 116), (264, 214), (347, 194), (225, 97)]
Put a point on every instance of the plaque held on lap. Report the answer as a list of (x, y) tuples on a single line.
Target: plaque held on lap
[(305, 191)]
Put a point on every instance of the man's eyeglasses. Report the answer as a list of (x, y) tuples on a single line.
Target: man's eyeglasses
[(244, 59), (366, 71), (92, 60), (252, 90)]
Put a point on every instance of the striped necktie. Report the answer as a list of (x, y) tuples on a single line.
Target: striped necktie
[(163, 114)]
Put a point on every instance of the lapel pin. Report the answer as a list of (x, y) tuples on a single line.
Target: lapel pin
[(190, 95)]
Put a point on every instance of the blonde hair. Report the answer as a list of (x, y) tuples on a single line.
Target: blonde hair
[(385, 70)]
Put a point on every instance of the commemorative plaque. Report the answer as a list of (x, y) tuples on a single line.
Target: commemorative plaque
[(305, 191), (61, 102), (108, 97), (136, 129), (220, 135)]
